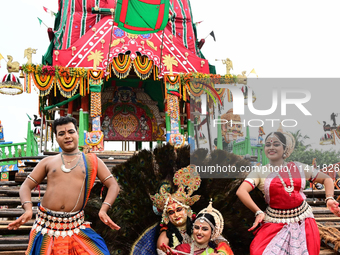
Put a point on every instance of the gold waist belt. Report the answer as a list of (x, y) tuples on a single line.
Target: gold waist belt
[(288, 215), (58, 226)]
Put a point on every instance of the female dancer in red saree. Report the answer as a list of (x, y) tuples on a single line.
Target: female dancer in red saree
[(288, 224)]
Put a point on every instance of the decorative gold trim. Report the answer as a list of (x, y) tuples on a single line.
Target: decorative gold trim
[(140, 237)]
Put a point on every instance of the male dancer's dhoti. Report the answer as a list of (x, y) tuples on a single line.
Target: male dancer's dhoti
[(64, 233)]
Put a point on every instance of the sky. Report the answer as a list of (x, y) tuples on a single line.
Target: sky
[(279, 39), (20, 30)]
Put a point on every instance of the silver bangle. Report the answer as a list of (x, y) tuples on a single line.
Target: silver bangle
[(110, 176), (107, 204), (32, 179), (327, 198), (258, 212), (26, 202)]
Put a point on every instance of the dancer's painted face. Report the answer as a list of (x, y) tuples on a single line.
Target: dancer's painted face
[(202, 232), (67, 137), (273, 148), (177, 214)]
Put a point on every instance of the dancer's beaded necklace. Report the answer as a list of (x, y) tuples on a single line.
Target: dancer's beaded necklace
[(290, 188), (63, 167)]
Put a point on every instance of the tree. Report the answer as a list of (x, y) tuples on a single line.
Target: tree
[(300, 139), (322, 157), (301, 154)]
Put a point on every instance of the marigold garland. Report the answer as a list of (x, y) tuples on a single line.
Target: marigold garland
[(143, 67), (44, 83), (81, 88), (55, 70), (28, 83), (108, 72), (172, 79), (96, 104), (184, 93), (64, 71), (68, 87), (95, 74), (195, 89), (172, 84), (155, 73), (25, 82), (194, 82), (65, 78), (68, 83), (173, 107), (121, 66)]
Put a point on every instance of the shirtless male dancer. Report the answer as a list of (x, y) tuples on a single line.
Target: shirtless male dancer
[(60, 227)]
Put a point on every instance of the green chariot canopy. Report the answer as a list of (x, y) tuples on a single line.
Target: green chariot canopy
[(142, 16)]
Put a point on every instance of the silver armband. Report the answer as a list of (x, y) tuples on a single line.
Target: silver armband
[(32, 179), (110, 176)]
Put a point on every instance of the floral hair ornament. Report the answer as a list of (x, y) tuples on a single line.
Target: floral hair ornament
[(219, 222), (290, 144), (188, 181)]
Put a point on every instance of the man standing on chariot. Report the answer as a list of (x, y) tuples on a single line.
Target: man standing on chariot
[(60, 227)]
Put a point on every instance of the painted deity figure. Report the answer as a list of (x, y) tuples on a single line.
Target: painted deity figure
[(94, 139), (261, 133), (143, 126), (106, 126), (176, 225), (288, 226), (96, 124), (233, 128)]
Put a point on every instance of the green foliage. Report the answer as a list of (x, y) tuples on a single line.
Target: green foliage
[(300, 139), (21, 152), (304, 155)]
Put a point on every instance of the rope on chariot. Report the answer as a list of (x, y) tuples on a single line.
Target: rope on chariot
[(330, 235)]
